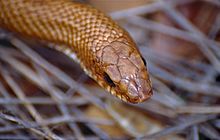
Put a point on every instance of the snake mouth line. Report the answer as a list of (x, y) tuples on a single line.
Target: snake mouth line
[(114, 93)]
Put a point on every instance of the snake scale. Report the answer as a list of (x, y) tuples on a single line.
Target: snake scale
[(106, 52)]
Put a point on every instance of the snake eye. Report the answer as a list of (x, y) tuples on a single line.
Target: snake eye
[(109, 80), (144, 60)]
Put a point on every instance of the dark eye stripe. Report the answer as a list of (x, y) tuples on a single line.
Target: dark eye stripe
[(144, 61), (109, 80)]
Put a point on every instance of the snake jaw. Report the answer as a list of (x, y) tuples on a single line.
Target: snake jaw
[(133, 89)]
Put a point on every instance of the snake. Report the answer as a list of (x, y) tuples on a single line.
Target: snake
[(106, 52)]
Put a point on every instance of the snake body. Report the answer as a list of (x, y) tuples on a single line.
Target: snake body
[(106, 52)]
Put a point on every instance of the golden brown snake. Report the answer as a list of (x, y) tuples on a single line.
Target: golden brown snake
[(106, 51)]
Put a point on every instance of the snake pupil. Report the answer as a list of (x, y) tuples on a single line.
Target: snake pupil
[(109, 80)]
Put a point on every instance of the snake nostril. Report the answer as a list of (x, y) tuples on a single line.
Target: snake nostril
[(109, 80)]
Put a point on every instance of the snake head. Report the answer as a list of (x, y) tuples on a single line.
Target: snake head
[(125, 73)]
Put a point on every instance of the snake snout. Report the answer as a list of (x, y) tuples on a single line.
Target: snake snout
[(139, 90)]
